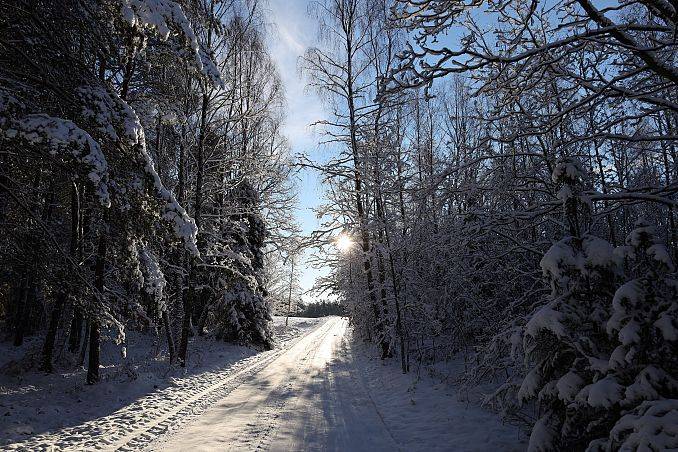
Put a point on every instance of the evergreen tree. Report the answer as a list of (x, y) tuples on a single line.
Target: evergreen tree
[(644, 325), (566, 345), (243, 312)]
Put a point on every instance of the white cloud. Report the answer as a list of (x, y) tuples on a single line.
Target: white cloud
[(290, 40), (291, 37)]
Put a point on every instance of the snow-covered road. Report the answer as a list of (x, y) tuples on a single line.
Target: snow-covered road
[(319, 390), (306, 399), (54, 412)]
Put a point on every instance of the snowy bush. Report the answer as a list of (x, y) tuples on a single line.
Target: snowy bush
[(567, 347), (653, 425), (644, 325)]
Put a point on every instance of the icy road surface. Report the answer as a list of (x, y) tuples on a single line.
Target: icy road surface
[(306, 399)]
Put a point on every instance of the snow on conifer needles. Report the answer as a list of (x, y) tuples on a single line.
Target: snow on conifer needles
[(500, 187), (132, 195)]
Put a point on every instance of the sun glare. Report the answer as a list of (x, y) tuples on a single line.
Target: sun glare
[(343, 243)]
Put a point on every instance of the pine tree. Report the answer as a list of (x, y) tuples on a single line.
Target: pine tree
[(243, 313)]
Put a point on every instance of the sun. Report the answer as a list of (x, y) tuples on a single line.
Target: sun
[(343, 243)]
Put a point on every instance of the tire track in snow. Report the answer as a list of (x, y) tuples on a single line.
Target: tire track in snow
[(122, 431), (269, 416)]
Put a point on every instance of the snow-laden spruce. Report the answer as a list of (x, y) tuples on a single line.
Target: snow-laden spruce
[(597, 352), (164, 18), (240, 310), (62, 136), (118, 120)]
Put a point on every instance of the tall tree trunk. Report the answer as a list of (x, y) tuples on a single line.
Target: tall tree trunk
[(168, 334), (94, 332), (55, 318), (28, 294), (289, 295), (4, 183), (21, 311), (85, 342), (188, 295), (666, 148), (48, 346), (362, 220), (381, 271), (204, 313), (186, 320), (75, 334), (94, 352)]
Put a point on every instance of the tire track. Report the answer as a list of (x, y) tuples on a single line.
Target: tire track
[(114, 432)]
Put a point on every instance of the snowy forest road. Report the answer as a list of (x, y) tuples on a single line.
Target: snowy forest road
[(308, 398), (145, 418)]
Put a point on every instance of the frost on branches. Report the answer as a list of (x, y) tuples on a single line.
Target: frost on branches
[(602, 353), (243, 313)]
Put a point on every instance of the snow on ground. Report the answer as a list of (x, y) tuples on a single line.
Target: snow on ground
[(318, 390), (327, 394), (427, 414), (136, 395), (300, 402)]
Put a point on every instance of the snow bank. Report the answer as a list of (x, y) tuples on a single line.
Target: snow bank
[(424, 413), (38, 410)]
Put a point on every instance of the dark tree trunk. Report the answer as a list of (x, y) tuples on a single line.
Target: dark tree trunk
[(55, 318), (30, 289), (94, 333), (4, 183), (204, 313), (21, 311), (168, 335), (85, 343), (186, 321), (48, 347), (94, 353), (189, 295), (75, 334)]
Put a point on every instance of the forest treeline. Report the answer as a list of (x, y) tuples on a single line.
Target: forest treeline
[(143, 174), (507, 174), (321, 309)]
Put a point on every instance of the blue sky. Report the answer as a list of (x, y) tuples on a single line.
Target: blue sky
[(293, 32)]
